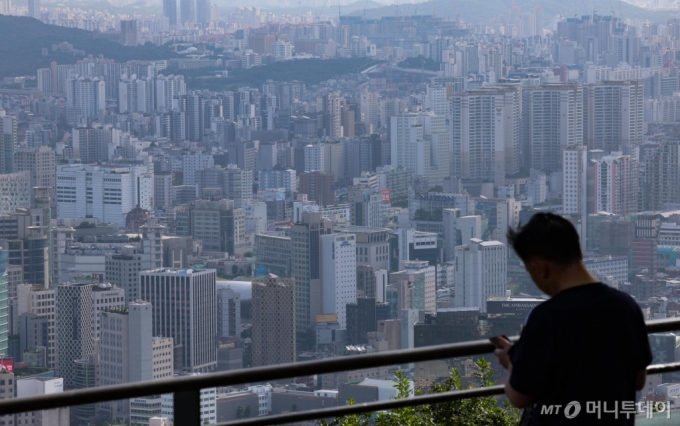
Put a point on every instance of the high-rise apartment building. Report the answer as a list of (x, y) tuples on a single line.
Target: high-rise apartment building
[(421, 142), (661, 182), (575, 180), (615, 184), (613, 114), (87, 95), (338, 274), (74, 330), (314, 158), (481, 272), (485, 133), (44, 78), (552, 120), (185, 308), (273, 314)]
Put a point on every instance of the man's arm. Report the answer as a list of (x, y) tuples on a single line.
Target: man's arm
[(516, 398), (640, 379)]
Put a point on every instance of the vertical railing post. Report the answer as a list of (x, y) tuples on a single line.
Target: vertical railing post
[(187, 408)]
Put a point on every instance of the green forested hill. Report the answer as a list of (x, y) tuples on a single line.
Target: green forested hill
[(22, 38)]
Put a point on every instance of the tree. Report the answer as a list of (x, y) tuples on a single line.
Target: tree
[(234, 270), (247, 411), (465, 412), (240, 412)]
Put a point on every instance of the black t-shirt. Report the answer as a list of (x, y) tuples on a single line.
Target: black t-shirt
[(585, 344)]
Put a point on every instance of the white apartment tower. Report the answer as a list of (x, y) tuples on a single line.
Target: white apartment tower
[(574, 180), (314, 158), (338, 274), (481, 272), (616, 181)]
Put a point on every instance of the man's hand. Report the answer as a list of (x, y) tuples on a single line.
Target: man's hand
[(502, 354)]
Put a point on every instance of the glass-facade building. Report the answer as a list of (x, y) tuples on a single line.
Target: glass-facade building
[(4, 263)]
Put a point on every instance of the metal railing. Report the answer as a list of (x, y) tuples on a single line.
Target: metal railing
[(186, 390)]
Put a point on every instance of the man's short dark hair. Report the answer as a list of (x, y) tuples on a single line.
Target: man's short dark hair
[(549, 237)]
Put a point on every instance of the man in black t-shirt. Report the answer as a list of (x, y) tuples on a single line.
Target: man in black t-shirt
[(583, 353)]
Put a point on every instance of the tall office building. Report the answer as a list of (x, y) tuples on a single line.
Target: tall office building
[(162, 189), (185, 308), (105, 296), (106, 193), (338, 274), (485, 133), (8, 140), (40, 302), (122, 270), (220, 226), (318, 186), (481, 272), (273, 314), (88, 145), (75, 333), (126, 353), (552, 120), (228, 312), (615, 184), (314, 158), (613, 114), (424, 284), (306, 267), (170, 11)]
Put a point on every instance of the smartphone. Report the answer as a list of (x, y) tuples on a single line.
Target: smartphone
[(495, 340)]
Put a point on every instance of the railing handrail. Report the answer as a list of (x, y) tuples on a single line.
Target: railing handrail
[(262, 374)]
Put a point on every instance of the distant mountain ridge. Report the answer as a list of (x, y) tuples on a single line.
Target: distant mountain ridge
[(22, 40), (477, 12)]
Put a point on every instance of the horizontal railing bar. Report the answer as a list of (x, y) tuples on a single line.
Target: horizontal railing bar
[(333, 412), (663, 325), (368, 407), (268, 373)]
